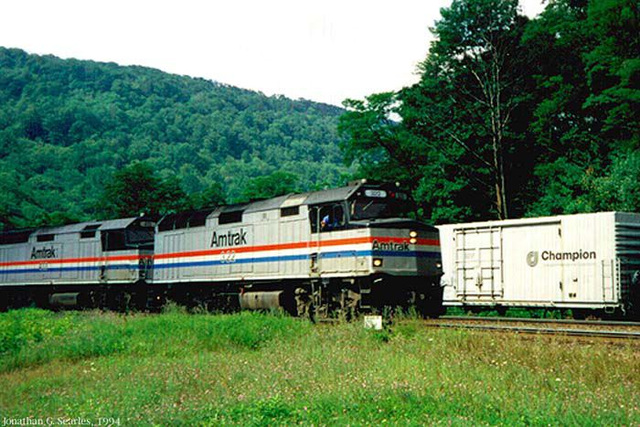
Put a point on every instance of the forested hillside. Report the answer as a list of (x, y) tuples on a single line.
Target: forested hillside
[(67, 127), (513, 116)]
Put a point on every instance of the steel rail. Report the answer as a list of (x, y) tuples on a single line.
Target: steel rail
[(545, 331), (533, 320)]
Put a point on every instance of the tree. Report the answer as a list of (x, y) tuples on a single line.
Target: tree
[(619, 190), (264, 187), (136, 189), (212, 196), (613, 69), (472, 83), (587, 103), (567, 149), (381, 145), (456, 133), (64, 123)]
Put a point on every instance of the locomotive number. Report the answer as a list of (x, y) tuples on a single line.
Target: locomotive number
[(228, 257), (375, 193)]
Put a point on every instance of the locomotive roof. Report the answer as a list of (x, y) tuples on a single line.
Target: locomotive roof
[(21, 236), (268, 204), (292, 199), (112, 224), (331, 195)]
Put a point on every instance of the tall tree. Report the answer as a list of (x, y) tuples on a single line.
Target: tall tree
[(277, 184), (613, 69), (136, 190), (457, 134), (378, 141), (568, 150), (587, 104), (472, 82)]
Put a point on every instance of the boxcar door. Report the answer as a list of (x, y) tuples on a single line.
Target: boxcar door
[(478, 263), (528, 275)]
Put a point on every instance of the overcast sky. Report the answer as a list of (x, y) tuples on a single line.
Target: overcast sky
[(324, 51)]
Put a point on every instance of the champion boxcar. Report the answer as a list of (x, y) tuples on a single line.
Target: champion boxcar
[(584, 262), (99, 263), (341, 250)]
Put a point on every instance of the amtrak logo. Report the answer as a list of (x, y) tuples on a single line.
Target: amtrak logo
[(532, 258), (228, 239), (401, 247), (44, 253)]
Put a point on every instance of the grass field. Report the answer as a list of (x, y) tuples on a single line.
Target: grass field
[(258, 369)]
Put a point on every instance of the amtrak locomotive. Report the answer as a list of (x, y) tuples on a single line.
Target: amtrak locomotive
[(342, 250)]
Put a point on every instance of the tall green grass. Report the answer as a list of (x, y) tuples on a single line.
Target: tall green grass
[(30, 337), (265, 369)]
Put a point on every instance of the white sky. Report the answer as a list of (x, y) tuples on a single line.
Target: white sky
[(324, 51)]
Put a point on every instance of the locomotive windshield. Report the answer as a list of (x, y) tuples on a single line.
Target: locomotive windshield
[(380, 204)]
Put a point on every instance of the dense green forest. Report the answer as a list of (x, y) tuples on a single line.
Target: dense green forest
[(513, 117), (73, 132)]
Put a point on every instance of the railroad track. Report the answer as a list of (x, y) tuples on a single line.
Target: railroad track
[(581, 328)]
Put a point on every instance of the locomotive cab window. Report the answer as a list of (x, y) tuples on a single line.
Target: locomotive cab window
[(371, 204), (327, 218), (12, 237)]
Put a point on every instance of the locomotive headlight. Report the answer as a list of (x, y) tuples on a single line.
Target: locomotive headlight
[(438, 265), (413, 240), (413, 234), (377, 262)]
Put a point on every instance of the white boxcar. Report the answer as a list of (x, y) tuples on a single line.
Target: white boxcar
[(584, 261)]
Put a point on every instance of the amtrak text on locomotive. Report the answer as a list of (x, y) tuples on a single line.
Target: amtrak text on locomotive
[(401, 247), (44, 253), (230, 238)]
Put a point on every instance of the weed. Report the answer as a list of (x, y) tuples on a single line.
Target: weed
[(269, 369)]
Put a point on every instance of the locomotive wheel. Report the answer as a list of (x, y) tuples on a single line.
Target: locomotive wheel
[(349, 303), (320, 308), (304, 303)]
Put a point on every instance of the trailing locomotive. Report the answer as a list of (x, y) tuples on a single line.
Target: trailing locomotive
[(99, 263), (322, 253)]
